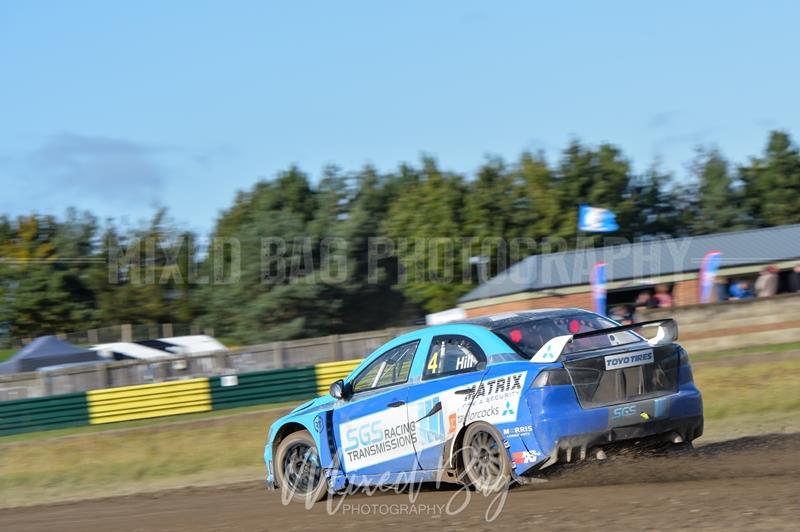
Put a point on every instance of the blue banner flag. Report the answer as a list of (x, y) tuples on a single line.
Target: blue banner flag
[(596, 220), (598, 281), (708, 272)]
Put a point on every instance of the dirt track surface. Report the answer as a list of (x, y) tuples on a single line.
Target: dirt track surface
[(749, 483)]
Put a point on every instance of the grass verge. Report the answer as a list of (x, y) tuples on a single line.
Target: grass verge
[(752, 397), (174, 422), (6, 353), (755, 350), (91, 463)]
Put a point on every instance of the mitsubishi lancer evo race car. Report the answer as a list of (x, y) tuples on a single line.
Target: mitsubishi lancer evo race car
[(487, 402)]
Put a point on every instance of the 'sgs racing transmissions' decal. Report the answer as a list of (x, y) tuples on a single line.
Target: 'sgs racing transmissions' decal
[(376, 438), (397, 432)]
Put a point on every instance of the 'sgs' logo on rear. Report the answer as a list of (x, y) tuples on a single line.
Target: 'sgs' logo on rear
[(624, 411)]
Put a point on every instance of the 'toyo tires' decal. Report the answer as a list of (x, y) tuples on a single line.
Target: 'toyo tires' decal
[(627, 360)]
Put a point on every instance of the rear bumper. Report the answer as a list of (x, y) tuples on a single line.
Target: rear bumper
[(564, 432), (573, 448)]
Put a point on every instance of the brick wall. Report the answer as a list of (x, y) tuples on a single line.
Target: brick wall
[(685, 293)]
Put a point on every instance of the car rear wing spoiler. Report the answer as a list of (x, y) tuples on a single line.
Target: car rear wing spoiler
[(666, 333)]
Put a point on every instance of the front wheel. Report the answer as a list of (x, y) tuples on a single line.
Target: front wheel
[(297, 469), (485, 460)]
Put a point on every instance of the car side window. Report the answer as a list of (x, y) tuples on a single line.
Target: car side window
[(452, 354), (389, 369)]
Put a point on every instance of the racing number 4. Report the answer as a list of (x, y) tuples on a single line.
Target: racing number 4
[(433, 363)]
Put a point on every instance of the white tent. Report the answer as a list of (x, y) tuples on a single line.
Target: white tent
[(193, 345), (115, 350), (197, 344)]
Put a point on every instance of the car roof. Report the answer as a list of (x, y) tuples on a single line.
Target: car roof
[(490, 322), (507, 319), (480, 328)]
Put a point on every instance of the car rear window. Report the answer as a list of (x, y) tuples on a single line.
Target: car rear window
[(528, 337)]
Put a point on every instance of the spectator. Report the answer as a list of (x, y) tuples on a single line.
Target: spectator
[(767, 282), (622, 314), (663, 298), (741, 290), (794, 279), (643, 301), (721, 286)]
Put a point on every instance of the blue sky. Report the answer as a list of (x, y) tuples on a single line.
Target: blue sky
[(119, 107)]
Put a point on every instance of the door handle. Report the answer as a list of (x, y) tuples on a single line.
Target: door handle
[(395, 404), (436, 408)]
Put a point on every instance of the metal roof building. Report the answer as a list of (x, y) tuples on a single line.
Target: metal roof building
[(636, 264)]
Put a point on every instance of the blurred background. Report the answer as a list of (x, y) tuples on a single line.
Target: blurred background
[(196, 194), (195, 120)]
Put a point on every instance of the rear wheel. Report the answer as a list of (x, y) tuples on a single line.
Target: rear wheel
[(297, 469), (681, 447), (485, 460)]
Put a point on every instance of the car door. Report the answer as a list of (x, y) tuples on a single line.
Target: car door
[(373, 436), (438, 404)]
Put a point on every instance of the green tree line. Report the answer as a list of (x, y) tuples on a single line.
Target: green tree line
[(258, 276)]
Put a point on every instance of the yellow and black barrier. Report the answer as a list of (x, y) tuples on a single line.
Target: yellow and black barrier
[(329, 372), (127, 403), (149, 400)]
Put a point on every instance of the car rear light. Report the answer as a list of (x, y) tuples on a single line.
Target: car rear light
[(684, 367), (684, 356), (551, 377)]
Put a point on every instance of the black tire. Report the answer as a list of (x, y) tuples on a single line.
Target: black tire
[(683, 447), (485, 463), (298, 471)]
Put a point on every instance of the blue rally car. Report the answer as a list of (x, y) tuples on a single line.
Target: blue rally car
[(487, 402)]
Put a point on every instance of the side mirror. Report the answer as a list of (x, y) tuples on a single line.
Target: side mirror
[(480, 366), (337, 389)]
